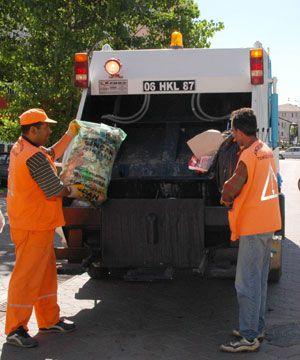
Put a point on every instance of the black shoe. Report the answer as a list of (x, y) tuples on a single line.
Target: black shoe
[(241, 345), (20, 337), (260, 337), (60, 327)]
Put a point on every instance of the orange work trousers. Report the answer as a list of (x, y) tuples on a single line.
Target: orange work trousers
[(33, 281)]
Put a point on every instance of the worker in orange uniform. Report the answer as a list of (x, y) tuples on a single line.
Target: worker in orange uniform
[(255, 215), (34, 205)]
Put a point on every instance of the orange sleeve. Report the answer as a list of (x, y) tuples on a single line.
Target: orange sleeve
[(60, 147)]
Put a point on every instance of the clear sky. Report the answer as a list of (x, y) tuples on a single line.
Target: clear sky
[(275, 23)]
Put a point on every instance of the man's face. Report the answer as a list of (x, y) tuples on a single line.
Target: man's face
[(237, 134), (41, 135)]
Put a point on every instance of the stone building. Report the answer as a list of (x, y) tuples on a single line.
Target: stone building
[(289, 117)]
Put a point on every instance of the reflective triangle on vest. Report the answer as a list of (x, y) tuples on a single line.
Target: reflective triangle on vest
[(270, 190)]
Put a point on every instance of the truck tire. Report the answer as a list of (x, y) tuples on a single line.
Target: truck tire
[(276, 257), (97, 272), (274, 275), (299, 184), (276, 260)]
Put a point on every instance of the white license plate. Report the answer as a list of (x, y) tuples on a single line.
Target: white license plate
[(169, 85)]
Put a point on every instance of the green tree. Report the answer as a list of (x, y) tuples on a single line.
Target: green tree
[(39, 38)]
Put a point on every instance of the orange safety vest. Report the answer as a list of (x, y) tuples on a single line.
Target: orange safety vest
[(27, 206), (256, 209)]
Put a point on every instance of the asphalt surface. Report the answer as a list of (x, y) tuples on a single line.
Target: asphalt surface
[(185, 318)]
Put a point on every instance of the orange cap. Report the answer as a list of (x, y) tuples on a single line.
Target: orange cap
[(33, 116)]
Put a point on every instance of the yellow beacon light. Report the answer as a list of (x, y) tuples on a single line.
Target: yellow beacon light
[(176, 40)]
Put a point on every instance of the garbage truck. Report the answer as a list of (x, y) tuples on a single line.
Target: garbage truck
[(159, 214)]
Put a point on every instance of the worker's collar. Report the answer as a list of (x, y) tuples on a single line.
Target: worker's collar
[(30, 142), (251, 140)]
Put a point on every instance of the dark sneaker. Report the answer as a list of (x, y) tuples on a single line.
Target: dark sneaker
[(241, 345), (260, 337), (60, 327), (20, 337)]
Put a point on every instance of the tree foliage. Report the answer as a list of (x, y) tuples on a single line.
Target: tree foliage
[(39, 38)]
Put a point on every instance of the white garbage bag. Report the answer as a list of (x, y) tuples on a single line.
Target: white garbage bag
[(91, 158)]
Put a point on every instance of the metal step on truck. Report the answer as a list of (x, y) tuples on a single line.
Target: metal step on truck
[(159, 214)]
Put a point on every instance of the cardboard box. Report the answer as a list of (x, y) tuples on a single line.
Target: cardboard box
[(206, 143)]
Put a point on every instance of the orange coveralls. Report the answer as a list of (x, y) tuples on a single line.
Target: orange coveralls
[(33, 219)]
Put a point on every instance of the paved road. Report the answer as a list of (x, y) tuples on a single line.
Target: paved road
[(184, 319)]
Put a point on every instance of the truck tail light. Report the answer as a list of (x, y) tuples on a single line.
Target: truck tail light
[(257, 66), (81, 70), (113, 67)]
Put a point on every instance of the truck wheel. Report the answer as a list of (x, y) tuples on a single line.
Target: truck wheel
[(276, 257), (276, 260), (274, 275), (299, 184), (95, 271)]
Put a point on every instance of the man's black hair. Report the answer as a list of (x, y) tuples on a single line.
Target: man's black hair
[(25, 128), (244, 120)]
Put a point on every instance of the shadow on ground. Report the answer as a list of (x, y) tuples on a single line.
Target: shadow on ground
[(186, 318), (141, 321)]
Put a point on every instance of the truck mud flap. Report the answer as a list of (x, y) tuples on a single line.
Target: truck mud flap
[(152, 233)]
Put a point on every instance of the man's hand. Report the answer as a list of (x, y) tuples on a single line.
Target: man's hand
[(73, 128), (76, 191), (225, 203)]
